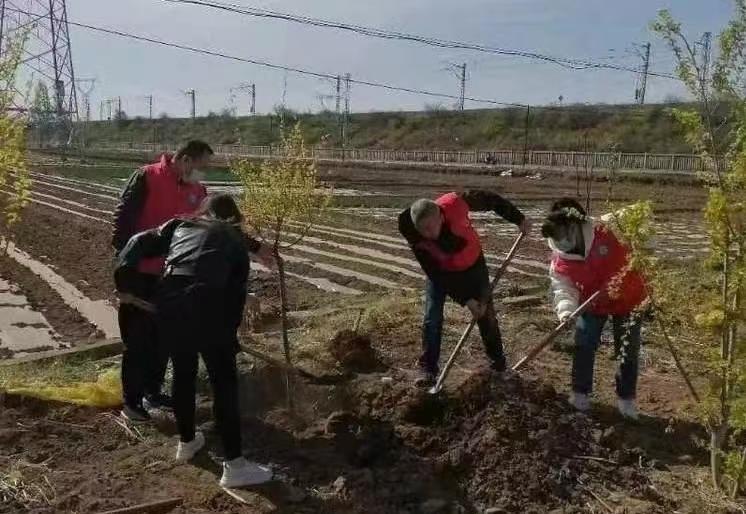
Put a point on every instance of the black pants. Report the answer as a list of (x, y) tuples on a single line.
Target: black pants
[(144, 359), (192, 322)]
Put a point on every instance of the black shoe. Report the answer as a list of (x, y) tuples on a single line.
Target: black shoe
[(158, 401), (135, 414), (499, 365), (426, 379)]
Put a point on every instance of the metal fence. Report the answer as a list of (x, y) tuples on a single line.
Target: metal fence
[(684, 163)]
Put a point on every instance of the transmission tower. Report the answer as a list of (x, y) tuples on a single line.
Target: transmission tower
[(346, 121), (47, 55), (247, 88), (459, 71)]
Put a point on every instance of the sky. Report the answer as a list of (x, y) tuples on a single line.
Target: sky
[(599, 30)]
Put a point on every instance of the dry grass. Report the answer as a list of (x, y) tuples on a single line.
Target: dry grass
[(61, 371), (26, 484)]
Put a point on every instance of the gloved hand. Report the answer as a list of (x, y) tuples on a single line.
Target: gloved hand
[(525, 227), (564, 316), (477, 308)]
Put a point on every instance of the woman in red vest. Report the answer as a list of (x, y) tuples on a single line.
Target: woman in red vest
[(450, 253), (588, 257)]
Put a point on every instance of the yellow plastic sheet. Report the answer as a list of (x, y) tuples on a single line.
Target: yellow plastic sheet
[(104, 392)]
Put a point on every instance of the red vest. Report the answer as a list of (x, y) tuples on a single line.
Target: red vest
[(166, 197), (603, 264), (456, 217)]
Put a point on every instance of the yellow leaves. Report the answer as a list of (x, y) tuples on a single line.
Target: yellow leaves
[(712, 319), (14, 178), (281, 190)]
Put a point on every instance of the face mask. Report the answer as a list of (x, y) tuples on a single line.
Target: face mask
[(193, 176), (564, 245)]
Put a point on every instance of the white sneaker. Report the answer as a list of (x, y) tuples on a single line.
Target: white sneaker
[(186, 451), (628, 409), (241, 472), (580, 401)]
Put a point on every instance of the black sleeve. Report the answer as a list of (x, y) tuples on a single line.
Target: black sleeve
[(488, 201), (128, 210), (151, 243), (407, 229)]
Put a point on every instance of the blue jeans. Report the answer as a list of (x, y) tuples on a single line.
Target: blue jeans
[(588, 331), (432, 330)]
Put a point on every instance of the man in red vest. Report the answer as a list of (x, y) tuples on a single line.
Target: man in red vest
[(448, 248), (153, 195), (588, 257)]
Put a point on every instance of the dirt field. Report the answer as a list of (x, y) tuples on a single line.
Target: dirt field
[(368, 442)]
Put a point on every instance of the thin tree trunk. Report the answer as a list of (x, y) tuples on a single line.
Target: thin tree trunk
[(284, 324), (719, 432), (717, 437), (739, 477), (677, 361)]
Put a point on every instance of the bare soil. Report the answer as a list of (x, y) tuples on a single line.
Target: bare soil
[(371, 442)]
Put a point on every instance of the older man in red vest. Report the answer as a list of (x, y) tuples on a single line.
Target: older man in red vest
[(448, 248), (153, 195)]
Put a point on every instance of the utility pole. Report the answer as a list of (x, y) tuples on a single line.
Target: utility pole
[(640, 93), (706, 49), (253, 99), (346, 120), (150, 106), (118, 115), (340, 115), (339, 93), (191, 93), (2, 24), (463, 87), (525, 135)]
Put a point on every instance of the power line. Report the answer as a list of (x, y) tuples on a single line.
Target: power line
[(571, 63), (266, 64)]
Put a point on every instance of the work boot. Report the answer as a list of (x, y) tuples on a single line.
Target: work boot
[(580, 401), (135, 413), (241, 472), (628, 409), (426, 379), (186, 451), (157, 401)]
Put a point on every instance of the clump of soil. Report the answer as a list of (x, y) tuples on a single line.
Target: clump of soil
[(511, 443), (353, 351)]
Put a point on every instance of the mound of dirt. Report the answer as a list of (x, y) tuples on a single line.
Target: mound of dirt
[(511, 444), (353, 351)]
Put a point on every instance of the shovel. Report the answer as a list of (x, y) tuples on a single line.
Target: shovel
[(536, 350), (498, 274)]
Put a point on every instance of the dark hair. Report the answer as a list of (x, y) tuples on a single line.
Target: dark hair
[(194, 149), (568, 204), (563, 213), (221, 206)]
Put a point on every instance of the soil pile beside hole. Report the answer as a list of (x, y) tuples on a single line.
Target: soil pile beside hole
[(511, 443), (353, 351)]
